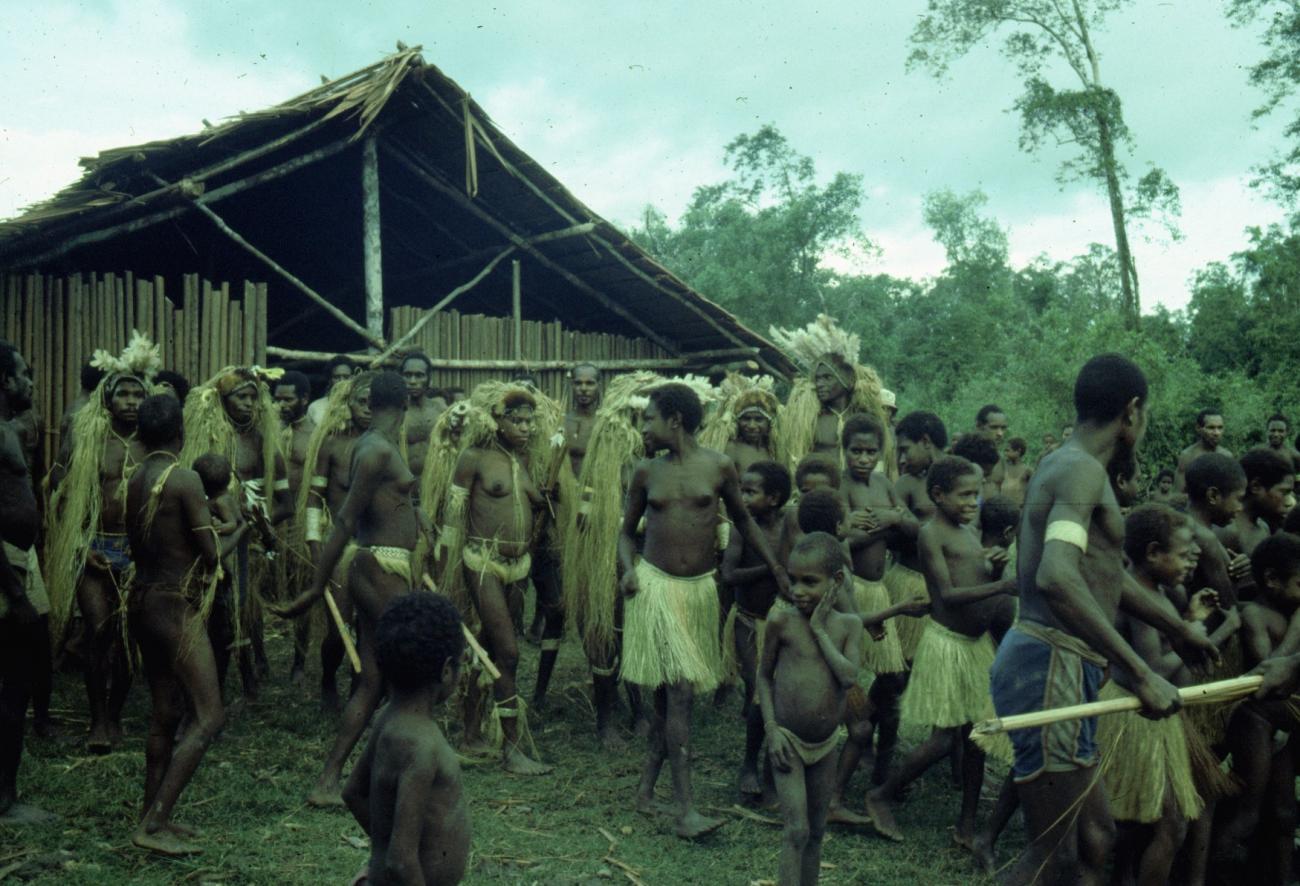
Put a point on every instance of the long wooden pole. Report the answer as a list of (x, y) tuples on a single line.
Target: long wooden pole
[(292, 280), (212, 196), (446, 300), (1205, 693), (517, 309), (577, 282), (371, 244), (696, 359)]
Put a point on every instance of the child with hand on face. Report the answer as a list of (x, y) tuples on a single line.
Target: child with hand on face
[(810, 661)]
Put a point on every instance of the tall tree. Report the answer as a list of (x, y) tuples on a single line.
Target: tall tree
[(757, 243), (1278, 75), (1040, 32)]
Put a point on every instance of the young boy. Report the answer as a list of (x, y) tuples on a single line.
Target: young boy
[(214, 473), (1146, 765), (1215, 487), (765, 488), (949, 687), (810, 660), (1265, 769), (813, 472), (1164, 493), (670, 616), (982, 452), (875, 514), (1015, 471), (1270, 496), (999, 518), (405, 790)]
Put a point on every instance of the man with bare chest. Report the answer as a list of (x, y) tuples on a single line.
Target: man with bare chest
[(100, 448), (671, 643), (1209, 436), (490, 523), (380, 514), (1072, 585), (345, 418), (292, 393), (422, 410)]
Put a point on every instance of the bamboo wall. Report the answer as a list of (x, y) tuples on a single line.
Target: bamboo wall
[(59, 322), (455, 336)]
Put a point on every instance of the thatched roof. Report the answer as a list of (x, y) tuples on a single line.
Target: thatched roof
[(286, 178)]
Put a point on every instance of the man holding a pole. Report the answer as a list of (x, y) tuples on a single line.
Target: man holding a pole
[(1072, 587)]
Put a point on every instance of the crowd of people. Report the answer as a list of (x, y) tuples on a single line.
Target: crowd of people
[(843, 568)]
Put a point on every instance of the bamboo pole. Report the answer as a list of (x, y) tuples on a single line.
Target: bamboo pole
[(259, 355), (250, 323), (453, 363), (517, 309), (479, 652), (344, 634), (1205, 693), (371, 244)]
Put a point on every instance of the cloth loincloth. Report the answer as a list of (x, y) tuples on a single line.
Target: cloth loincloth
[(907, 584), (879, 656), (670, 630), (1038, 668), (28, 567), (114, 548), (811, 752), (1141, 760)]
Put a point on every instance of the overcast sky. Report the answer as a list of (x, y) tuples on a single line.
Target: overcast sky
[(632, 103)]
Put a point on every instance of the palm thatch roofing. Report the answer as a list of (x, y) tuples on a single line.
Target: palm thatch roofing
[(454, 192)]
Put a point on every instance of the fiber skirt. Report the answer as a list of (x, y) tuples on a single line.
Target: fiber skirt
[(907, 584), (950, 679), (879, 656), (1142, 760), (670, 630)]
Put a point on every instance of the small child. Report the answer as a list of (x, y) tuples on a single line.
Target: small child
[(1215, 486), (999, 520), (1147, 765), (949, 687), (405, 790), (1015, 471), (1270, 496), (225, 629), (214, 472), (810, 661), (765, 488), (982, 452), (1265, 769), (813, 472), (1164, 492)]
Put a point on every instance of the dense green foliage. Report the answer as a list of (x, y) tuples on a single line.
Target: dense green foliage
[(984, 331)]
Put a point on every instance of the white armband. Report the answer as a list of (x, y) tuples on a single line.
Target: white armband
[(281, 485), (1069, 532), (311, 527), (320, 482)]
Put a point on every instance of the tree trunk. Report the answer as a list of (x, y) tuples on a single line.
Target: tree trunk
[(1127, 269)]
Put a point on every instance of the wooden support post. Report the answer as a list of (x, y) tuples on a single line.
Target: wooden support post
[(371, 248), (577, 282), (698, 359), (517, 310)]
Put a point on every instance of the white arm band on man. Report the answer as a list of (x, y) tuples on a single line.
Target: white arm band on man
[(311, 528), (320, 482), (1069, 532)]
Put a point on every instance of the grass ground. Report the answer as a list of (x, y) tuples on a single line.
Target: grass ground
[(247, 800)]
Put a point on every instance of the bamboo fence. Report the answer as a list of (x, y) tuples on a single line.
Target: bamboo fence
[(58, 323), (451, 335)]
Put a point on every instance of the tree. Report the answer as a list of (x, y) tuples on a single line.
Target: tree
[(1089, 117), (757, 243), (1277, 74)]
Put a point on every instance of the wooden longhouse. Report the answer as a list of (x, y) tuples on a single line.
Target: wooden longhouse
[(380, 212)]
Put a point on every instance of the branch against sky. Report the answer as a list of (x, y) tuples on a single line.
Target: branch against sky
[(1040, 35), (1277, 75)]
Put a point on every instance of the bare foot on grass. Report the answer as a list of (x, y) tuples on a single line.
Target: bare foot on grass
[(163, 842), (882, 817), (692, 825), (325, 796), (839, 814), (517, 762), (750, 786), (983, 852)]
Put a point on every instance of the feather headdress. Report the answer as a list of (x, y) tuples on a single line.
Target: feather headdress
[(208, 428), (810, 345), (141, 360), (739, 394)]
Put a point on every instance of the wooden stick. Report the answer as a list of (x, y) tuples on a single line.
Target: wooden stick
[(1205, 693), (698, 358), (351, 648), (371, 248), (479, 652)]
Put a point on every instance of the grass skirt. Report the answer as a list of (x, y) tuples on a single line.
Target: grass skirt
[(950, 679), (730, 655), (906, 584), (1141, 760), (670, 630), (1211, 720), (1213, 782), (879, 656)]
